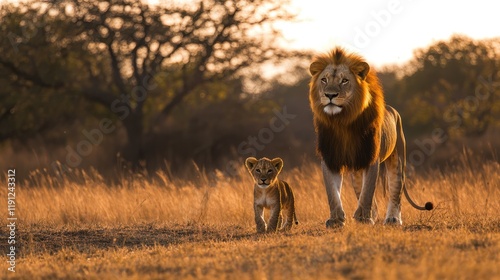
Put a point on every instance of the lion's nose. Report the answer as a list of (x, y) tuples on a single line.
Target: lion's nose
[(263, 180), (331, 95)]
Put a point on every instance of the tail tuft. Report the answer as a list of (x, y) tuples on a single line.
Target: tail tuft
[(429, 206)]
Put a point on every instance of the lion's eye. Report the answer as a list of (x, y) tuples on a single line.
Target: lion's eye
[(258, 170), (324, 81), (344, 81), (269, 171)]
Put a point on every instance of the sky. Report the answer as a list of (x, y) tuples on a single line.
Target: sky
[(388, 31)]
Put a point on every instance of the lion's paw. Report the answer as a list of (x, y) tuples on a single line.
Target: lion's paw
[(368, 221), (363, 216), (393, 221), (337, 218), (334, 223)]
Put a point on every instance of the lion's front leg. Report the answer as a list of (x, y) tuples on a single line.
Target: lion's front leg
[(333, 185), (259, 218), (357, 183), (364, 212)]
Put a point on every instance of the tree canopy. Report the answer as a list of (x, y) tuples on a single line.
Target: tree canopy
[(138, 61), (453, 84)]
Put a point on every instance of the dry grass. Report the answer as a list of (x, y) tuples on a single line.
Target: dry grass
[(203, 228)]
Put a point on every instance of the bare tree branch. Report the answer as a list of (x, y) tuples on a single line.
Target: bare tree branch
[(98, 96), (34, 78)]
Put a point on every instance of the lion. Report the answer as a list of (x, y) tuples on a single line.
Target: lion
[(271, 193), (357, 133)]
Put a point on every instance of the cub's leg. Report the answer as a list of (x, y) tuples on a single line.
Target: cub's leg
[(280, 221), (357, 183), (333, 185), (364, 211), (395, 175), (259, 218), (288, 204), (274, 218), (287, 218)]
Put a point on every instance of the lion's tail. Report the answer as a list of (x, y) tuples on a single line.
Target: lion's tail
[(401, 148), (428, 205), (295, 218)]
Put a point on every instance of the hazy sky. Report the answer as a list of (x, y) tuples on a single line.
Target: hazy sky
[(387, 31)]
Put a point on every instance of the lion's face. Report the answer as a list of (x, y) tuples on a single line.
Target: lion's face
[(338, 86), (335, 88), (264, 171)]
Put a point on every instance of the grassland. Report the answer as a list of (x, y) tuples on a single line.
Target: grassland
[(202, 227)]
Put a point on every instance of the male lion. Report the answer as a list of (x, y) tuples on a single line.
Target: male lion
[(356, 133), (271, 193)]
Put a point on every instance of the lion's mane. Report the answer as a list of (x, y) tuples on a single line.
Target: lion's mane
[(351, 139)]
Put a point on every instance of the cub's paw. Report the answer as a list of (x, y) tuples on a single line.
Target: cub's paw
[(261, 230), (286, 227)]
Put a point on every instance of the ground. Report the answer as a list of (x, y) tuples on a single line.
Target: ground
[(203, 229)]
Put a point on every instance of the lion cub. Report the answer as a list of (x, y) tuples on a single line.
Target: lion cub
[(271, 193)]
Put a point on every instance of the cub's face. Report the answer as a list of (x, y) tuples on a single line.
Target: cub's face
[(337, 86), (264, 171)]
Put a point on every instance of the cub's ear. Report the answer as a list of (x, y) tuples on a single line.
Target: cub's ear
[(250, 163), (316, 67), (362, 69), (277, 163)]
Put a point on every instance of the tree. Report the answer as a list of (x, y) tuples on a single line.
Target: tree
[(452, 84), (138, 61)]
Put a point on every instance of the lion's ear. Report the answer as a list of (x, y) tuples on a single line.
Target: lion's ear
[(316, 67), (250, 163), (362, 69), (277, 163)]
